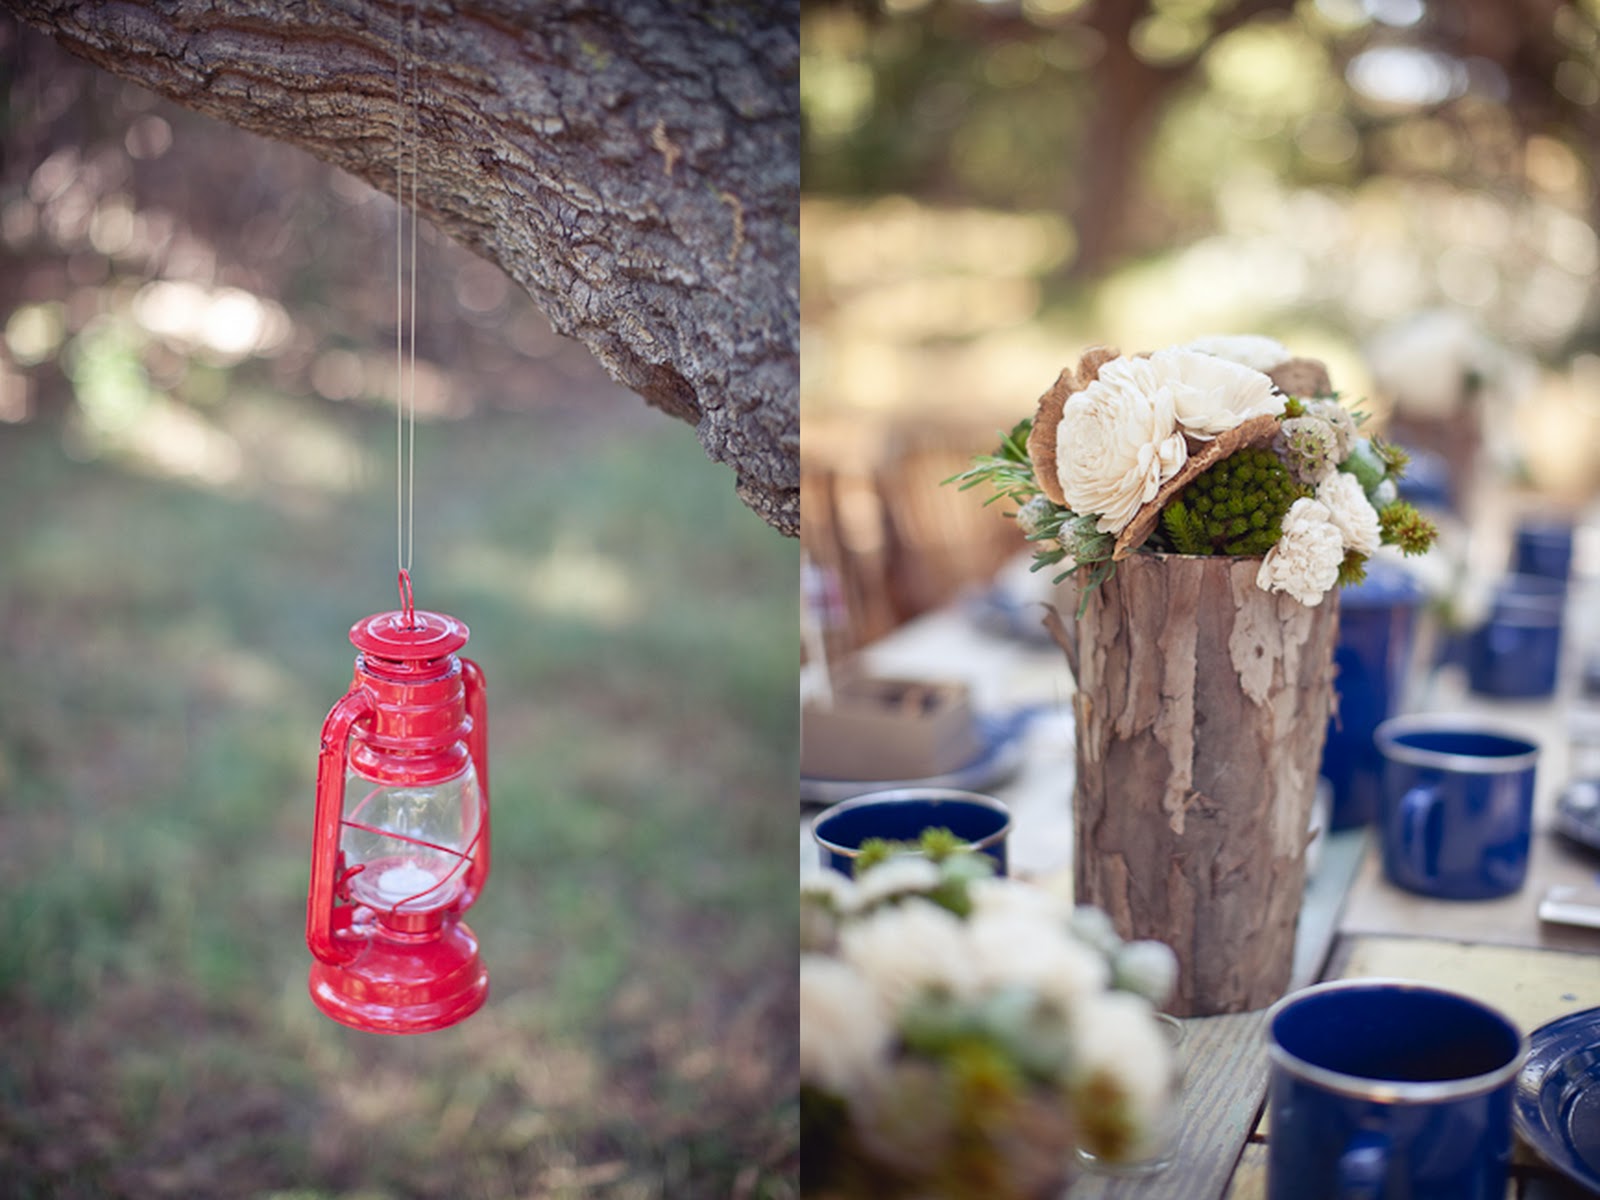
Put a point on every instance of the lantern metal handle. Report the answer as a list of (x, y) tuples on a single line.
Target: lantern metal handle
[(325, 922), (478, 748)]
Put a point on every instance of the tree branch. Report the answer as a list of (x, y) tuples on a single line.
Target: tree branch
[(633, 166)]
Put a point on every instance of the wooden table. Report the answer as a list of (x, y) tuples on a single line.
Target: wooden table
[(1354, 924)]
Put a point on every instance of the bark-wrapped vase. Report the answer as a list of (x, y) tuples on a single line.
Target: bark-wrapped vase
[(1202, 704)]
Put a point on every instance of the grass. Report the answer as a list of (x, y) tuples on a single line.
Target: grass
[(170, 651)]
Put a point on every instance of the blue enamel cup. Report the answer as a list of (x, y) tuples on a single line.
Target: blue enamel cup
[(1383, 1089), (1543, 547), (1426, 482), (1516, 653), (1377, 624), (1457, 806), (901, 814)]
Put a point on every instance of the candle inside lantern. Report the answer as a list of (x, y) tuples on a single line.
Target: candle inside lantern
[(404, 883), (411, 843)]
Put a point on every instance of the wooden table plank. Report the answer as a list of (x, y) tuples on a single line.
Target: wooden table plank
[(1378, 907), (1530, 986), (1250, 1180), (1327, 890)]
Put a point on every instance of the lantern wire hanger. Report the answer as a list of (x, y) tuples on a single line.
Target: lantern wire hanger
[(407, 122)]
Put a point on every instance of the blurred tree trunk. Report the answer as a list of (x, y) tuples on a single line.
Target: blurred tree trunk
[(634, 167), (1129, 97), (1130, 94)]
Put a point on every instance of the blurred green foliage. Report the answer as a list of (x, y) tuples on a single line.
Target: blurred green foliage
[(171, 654), (1134, 117)]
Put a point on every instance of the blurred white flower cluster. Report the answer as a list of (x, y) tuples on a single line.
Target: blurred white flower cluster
[(960, 1033), (1439, 365)]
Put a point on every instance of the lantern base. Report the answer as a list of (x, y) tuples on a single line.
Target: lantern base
[(403, 985)]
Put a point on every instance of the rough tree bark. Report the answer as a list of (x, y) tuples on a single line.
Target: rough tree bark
[(633, 165), (1202, 705)]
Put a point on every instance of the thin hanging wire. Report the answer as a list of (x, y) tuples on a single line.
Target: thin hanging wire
[(411, 336), (407, 122)]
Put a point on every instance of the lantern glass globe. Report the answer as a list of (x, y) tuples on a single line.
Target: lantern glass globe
[(412, 842)]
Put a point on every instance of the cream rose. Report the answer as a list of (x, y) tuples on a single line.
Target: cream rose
[(1350, 511), (1211, 395), (1305, 561), (1118, 442), (1247, 349)]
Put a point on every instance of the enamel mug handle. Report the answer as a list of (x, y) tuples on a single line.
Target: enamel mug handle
[(478, 748), (1363, 1166), (323, 922), (1417, 807)]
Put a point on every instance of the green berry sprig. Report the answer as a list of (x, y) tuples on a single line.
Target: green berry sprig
[(1236, 507)]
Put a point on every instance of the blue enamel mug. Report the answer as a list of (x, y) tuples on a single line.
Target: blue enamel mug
[(901, 814), (1457, 806), (1516, 653), (1426, 482), (1377, 625), (1384, 1089), (1543, 547)]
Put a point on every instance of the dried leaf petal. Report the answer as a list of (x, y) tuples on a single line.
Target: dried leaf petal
[(1042, 439), (1302, 377)]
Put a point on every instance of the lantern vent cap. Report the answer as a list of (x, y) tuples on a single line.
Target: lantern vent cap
[(426, 635)]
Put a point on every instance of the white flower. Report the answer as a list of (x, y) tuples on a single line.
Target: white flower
[(1351, 512), (903, 873), (1211, 395), (831, 889), (1018, 948), (905, 948), (1000, 896), (1247, 349), (1341, 420), (1122, 1052), (1433, 364), (1148, 968), (1305, 562), (1092, 925), (843, 1033), (1308, 447), (1118, 442)]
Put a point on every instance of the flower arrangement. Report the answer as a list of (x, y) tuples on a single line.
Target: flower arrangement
[(960, 1033), (1439, 366), (1225, 445)]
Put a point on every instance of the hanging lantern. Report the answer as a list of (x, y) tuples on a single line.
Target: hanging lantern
[(401, 846)]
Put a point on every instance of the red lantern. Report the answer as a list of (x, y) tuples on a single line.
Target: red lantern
[(401, 846)]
